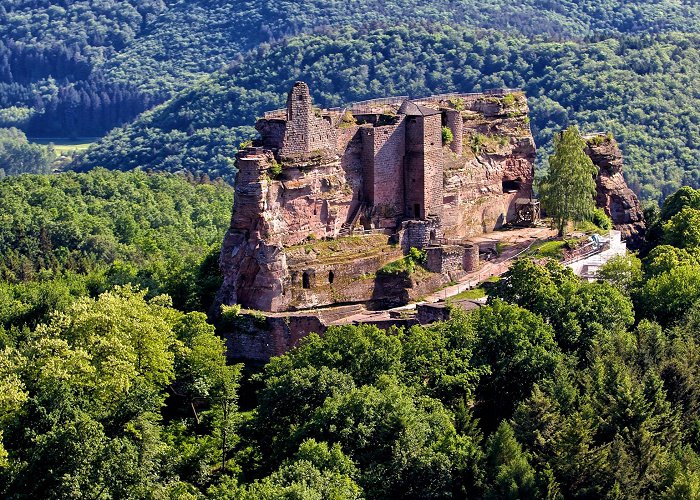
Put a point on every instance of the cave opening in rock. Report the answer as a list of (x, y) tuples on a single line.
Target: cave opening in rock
[(511, 185)]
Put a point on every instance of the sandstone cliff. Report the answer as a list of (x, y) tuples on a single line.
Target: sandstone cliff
[(325, 198), (612, 193)]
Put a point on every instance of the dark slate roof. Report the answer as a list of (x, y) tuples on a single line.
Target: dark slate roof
[(410, 108)]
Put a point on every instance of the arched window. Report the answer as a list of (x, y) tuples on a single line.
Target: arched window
[(331, 277)]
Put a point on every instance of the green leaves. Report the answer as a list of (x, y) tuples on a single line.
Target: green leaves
[(74, 234), (82, 395), (582, 314), (18, 156), (510, 474), (567, 190)]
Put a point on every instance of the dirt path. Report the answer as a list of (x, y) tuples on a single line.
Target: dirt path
[(517, 240)]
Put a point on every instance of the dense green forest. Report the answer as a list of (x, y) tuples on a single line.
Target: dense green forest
[(114, 381), (642, 89), (50, 53), (558, 388), (19, 156), (81, 68), (71, 235)]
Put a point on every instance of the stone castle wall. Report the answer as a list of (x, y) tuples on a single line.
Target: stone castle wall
[(433, 166), (454, 122), (445, 259), (470, 260), (415, 175), (389, 144), (389, 172), (304, 131)]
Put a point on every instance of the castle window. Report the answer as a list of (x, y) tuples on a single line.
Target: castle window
[(300, 97), (331, 277), (416, 211), (306, 280)]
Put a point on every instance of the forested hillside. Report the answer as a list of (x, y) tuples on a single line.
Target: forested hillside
[(643, 89), (113, 380), (80, 68), (49, 52), (80, 234)]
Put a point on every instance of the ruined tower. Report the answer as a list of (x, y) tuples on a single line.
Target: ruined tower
[(305, 132), (423, 176)]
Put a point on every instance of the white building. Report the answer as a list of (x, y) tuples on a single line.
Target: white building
[(599, 250)]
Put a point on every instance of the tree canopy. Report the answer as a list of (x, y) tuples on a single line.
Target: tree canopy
[(567, 189), (556, 387)]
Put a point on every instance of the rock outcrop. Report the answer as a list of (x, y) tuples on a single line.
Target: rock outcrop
[(612, 193), (326, 198)]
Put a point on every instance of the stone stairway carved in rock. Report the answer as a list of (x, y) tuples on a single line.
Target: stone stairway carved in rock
[(347, 227)]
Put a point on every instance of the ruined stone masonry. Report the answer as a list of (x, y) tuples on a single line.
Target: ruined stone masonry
[(326, 198)]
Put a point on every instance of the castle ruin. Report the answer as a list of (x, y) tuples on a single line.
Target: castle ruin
[(326, 198)]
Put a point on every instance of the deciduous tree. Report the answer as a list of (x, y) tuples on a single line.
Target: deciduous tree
[(568, 187)]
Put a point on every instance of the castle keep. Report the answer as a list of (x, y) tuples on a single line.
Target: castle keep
[(326, 198)]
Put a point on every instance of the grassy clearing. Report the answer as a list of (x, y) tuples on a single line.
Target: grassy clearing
[(590, 228), (473, 294), (65, 146), (547, 249)]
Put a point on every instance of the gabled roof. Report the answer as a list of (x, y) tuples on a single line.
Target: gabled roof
[(410, 108)]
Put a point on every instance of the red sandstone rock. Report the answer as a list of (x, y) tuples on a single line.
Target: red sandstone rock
[(612, 193), (389, 172)]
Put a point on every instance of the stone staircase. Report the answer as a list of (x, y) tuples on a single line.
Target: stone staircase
[(347, 227)]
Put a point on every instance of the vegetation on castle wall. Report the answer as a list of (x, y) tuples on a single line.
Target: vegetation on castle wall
[(447, 136), (406, 264)]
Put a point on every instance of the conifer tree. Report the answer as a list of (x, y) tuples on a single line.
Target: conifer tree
[(568, 188)]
